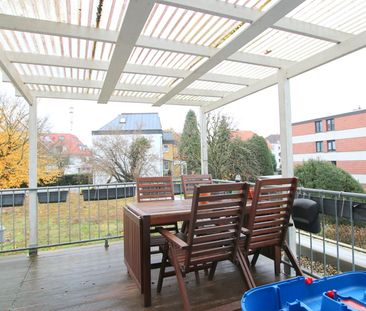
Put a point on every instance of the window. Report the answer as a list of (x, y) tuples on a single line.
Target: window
[(165, 148), (318, 126), (330, 124), (331, 145), (334, 162), (319, 146)]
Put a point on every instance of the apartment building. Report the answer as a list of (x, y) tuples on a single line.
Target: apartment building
[(340, 139)]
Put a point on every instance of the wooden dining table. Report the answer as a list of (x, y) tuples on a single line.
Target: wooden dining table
[(138, 218)]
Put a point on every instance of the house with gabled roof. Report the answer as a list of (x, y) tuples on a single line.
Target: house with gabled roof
[(131, 125), (69, 150)]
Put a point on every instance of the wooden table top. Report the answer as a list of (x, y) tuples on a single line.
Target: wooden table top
[(158, 211), (164, 211)]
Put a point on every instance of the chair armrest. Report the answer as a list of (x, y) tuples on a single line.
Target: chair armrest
[(172, 238), (244, 234)]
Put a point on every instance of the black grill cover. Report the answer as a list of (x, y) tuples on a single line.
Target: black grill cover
[(305, 215)]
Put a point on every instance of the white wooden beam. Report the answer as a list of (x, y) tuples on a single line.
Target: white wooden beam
[(261, 24), (254, 88), (26, 24), (205, 51), (32, 169), (223, 9), (114, 98), (58, 61), (351, 45), (95, 84), (287, 167), (68, 62), (11, 72), (135, 18), (223, 78), (213, 7), (203, 136), (33, 25), (284, 102)]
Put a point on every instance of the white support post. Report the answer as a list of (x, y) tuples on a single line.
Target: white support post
[(286, 142), (285, 124), (33, 213), (204, 155)]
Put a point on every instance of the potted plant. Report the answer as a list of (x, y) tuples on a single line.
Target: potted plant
[(108, 193), (52, 195), (11, 198)]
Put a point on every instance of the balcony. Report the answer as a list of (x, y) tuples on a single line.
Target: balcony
[(93, 277)]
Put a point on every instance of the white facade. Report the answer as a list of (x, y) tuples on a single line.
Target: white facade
[(76, 165), (330, 135), (156, 150), (276, 151)]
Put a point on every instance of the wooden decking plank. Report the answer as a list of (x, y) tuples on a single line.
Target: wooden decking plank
[(92, 278)]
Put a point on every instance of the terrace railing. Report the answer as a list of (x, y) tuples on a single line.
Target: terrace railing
[(79, 214), (341, 244), (66, 215)]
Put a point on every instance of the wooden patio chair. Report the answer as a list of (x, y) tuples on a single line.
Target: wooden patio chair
[(189, 181), (268, 220), (213, 234), (188, 184), (156, 189)]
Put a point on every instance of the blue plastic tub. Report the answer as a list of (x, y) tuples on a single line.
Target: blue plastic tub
[(342, 292)]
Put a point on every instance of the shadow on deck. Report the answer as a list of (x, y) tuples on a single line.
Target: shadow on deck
[(92, 278)]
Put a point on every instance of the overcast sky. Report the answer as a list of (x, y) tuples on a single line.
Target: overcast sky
[(333, 88)]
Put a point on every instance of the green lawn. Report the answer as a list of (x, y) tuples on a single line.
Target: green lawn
[(71, 221)]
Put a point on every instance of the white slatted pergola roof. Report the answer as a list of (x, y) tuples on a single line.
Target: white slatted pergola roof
[(204, 53)]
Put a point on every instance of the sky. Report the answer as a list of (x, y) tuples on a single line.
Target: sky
[(334, 88)]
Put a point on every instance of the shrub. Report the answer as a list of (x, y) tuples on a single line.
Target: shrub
[(66, 180), (325, 175)]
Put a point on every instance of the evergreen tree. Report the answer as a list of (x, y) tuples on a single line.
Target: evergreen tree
[(190, 144), (259, 148)]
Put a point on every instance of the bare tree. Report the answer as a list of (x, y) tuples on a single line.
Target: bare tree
[(123, 159)]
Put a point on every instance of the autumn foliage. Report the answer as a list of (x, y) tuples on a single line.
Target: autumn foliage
[(14, 147)]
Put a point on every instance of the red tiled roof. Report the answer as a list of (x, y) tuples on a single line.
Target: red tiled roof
[(246, 135), (243, 135), (71, 143)]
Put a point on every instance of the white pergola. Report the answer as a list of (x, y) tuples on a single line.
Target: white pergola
[(205, 53)]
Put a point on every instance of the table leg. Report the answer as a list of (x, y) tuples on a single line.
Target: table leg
[(146, 261)]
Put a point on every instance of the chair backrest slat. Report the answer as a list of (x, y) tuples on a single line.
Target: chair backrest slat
[(270, 212), (154, 188), (190, 181), (215, 224)]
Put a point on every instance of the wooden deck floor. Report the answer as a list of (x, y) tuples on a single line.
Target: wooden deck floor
[(92, 278)]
